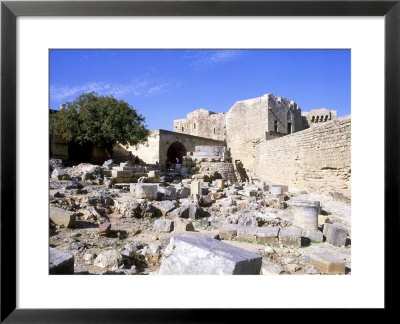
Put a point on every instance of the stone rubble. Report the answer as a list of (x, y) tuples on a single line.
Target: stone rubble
[(108, 222)]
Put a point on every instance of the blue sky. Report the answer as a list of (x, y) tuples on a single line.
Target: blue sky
[(164, 85)]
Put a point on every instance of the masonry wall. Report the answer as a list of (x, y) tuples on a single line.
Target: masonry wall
[(251, 121), (203, 123), (226, 169), (316, 159), (149, 151), (58, 147), (158, 142), (188, 141)]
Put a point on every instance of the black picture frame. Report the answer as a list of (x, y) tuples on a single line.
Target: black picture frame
[(10, 10)]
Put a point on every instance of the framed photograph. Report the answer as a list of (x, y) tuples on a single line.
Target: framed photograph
[(191, 138)]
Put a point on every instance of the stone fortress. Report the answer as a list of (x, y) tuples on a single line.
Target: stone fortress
[(268, 138)]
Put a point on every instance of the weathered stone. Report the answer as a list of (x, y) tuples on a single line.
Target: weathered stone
[(290, 236), (313, 235), (60, 174), (183, 225), (164, 225), (275, 190), (153, 176), (219, 195), (62, 217), (322, 219), (104, 229), (267, 234), (89, 257), (205, 256), (335, 233), (108, 164), (145, 191), (228, 231), (270, 268), (152, 253), (121, 174), (183, 192), (195, 188), (205, 201), (228, 202), (196, 212), (167, 206), (327, 263), (60, 262), (108, 259), (220, 183), (168, 193), (247, 233), (249, 192), (182, 212), (306, 213)]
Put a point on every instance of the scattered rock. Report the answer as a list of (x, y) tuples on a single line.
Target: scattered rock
[(61, 262), (62, 217), (104, 229), (164, 225), (108, 259), (183, 225), (205, 256)]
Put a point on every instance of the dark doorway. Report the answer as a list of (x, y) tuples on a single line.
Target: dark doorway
[(289, 128), (176, 150), (79, 153)]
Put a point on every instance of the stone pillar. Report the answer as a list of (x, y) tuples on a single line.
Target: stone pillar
[(220, 183), (195, 188), (306, 214)]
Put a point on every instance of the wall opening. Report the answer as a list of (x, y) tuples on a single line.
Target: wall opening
[(194, 126), (183, 129), (275, 126), (289, 128), (176, 150), (313, 119)]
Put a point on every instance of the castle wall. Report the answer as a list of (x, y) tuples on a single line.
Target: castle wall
[(317, 116), (316, 159), (149, 151), (251, 121), (203, 123)]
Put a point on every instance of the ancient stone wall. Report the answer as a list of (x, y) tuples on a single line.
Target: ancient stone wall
[(58, 147), (251, 121), (189, 142), (147, 152), (317, 159), (226, 169), (203, 123), (158, 143), (317, 116)]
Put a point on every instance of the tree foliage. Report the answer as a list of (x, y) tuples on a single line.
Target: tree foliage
[(100, 120)]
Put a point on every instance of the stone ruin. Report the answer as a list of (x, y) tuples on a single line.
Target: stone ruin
[(215, 212), (160, 222)]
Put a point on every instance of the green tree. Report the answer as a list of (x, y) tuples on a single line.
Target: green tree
[(101, 120)]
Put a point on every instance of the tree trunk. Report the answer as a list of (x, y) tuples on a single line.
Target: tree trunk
[(109, 151)]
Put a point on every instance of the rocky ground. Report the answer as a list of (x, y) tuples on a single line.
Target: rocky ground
[(109, 230)]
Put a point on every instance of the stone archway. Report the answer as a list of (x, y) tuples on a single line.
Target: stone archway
[(176, 150)]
